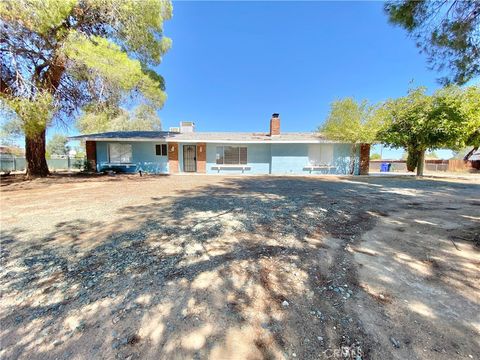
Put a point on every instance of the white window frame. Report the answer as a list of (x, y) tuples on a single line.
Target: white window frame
[(127, 148), (223, 154), (320, 155)]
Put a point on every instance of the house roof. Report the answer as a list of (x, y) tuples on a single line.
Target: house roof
[(208, 137), (11, 150), (140, 135), (244, 137)]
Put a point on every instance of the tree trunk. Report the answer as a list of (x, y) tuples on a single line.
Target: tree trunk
[(35, 155), (352, 159), (421, 163), (35, 143), (412, 159)]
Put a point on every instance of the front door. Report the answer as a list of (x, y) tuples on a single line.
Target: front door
[(189, 158)]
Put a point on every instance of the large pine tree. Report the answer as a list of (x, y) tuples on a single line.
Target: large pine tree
[(448, 32), (57, 56)]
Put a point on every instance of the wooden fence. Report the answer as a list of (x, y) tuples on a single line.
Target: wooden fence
[(430, 165)]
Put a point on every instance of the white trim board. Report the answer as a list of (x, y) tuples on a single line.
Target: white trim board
[(160, 140)]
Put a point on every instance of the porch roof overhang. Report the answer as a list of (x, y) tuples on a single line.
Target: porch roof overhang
[(124, 136)]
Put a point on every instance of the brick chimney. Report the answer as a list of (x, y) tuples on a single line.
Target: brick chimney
[(275, 125)]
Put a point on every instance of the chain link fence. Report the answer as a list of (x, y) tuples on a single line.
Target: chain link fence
[(12, 163)]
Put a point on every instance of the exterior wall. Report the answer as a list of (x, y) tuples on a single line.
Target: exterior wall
[(282, 159), (364, 159), (341, 155), (258, 157), (173, 157), (102, 153), (278, 159), (289, 158), (143, 158), (201, 158), (293, 159), (91, 150)]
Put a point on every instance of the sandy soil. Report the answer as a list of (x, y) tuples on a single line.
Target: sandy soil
[(197, 267)]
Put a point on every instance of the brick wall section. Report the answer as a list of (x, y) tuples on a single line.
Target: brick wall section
[(364, 159), (202, 158), (274, 126), (173, 157), (91, 149)]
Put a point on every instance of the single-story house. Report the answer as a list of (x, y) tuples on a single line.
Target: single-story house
[(183, 150)]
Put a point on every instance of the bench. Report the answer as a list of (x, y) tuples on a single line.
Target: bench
[(311, 168), (231, 167)]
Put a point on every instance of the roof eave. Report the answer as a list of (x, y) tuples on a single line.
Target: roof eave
[(90, 138), (255, 141)]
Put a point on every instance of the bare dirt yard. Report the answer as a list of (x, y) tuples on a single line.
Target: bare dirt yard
[(210, 267)]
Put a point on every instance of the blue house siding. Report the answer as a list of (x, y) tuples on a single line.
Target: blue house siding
[(143, 158), (277, 159), (281, 159), (289, 158), (294, 159), (258, 159), (341, 157)]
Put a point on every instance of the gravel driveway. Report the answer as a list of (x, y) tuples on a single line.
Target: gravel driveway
[(197, 267)]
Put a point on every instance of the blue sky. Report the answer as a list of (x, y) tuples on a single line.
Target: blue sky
[(233, 64)]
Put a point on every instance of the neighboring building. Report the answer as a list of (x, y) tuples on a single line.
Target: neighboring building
[(11, 150), (182, 150), (475, 156)]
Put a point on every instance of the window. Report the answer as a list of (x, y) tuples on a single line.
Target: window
[(161, 149), (231, 155), (243, 155), (321, 154), (120, 153)]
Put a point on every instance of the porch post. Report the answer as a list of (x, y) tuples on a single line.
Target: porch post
[(364, 159), (173, 157), (201, 158), (91, 149)]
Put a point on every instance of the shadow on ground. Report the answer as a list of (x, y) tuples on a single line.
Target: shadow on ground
[(243, 268)]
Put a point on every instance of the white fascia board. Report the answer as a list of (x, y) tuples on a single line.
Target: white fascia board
[(257, 141), (214, 141), (124, 139)]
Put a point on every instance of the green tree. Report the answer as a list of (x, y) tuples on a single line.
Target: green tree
[(448, 32), (471, 106), (431, 155), (58, 145), (143, 117), (352, 122), (58, 56), (450, 118), (375, 156)]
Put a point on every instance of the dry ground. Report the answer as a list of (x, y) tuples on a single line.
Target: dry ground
[(197, 267)]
